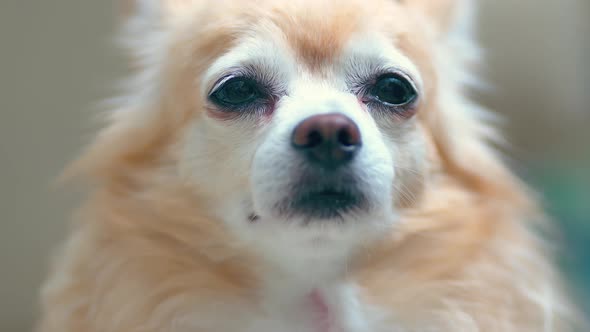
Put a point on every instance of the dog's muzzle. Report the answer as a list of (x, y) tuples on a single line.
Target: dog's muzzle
[(325, 187)]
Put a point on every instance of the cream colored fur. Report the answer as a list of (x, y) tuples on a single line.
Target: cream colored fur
[(166, 240)]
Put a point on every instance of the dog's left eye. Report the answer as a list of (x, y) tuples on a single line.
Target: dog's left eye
[(236, 92), (394, 90)]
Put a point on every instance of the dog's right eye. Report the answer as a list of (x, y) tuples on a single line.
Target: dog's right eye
[(237, 92)]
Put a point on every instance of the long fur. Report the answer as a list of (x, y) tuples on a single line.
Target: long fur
[(148, 254)]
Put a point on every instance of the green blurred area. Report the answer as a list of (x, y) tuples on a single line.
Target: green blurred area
[(566, 196)]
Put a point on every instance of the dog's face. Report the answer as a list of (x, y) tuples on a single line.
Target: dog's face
[(298, 122)]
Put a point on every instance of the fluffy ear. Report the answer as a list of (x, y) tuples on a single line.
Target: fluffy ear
[(445, 15), (154, 10)]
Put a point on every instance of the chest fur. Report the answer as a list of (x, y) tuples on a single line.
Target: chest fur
[(329, 309)]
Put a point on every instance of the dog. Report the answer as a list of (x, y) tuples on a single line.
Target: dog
[(302, 166)]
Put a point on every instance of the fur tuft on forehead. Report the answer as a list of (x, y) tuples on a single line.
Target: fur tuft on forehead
[(316, 38)]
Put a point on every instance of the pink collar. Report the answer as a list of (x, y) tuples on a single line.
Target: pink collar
[(324, 319)]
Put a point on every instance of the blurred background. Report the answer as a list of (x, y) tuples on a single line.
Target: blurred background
[(58, 61)]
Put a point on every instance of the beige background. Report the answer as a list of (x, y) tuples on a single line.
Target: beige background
[(57, 62)]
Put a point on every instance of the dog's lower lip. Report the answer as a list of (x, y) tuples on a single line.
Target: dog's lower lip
[(328, 194), (323, 204)]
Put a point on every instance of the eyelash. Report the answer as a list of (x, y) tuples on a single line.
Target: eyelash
[(254, 111), (361, 87)]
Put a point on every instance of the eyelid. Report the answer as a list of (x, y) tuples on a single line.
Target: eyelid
[(243, 71), (409, 79), (365, 85), (220, 82), (368, 72), (268, 85), (395, 72)]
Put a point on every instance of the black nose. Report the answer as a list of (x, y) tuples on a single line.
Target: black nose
[(328, 140)]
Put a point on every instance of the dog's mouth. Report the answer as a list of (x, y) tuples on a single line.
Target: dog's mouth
[(327, 202)]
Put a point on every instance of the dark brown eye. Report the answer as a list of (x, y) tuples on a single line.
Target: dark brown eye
[(237, 92), (394, 90)]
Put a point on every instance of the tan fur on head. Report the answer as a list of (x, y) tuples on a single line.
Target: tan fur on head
[(441, 12), (174, 237)]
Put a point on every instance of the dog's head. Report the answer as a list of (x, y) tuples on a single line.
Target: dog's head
[(305, 125)]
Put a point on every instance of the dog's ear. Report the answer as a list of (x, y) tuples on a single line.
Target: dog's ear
[(445, 15), (154, 11)]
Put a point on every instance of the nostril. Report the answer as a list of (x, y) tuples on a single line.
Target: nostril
[(307, 137), (349, 136), (327, 140), (345, 138), (314, 138)]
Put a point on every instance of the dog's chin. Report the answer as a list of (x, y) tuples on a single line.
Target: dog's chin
[(317, 232), (320, 196), (327, 204), (314, 225)]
